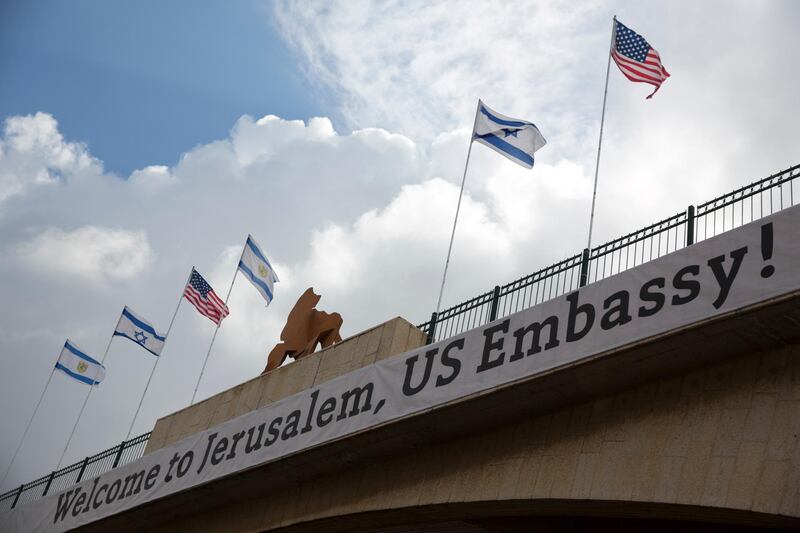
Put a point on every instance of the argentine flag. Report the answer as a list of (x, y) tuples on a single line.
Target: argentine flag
[(516, 139), (256, 267), (79, 366), (140, 331)]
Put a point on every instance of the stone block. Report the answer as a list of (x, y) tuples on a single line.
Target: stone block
[(771, 487), (702, 420), (668, 479), (772, 371), (159, 435), (746, 472), (694, 383), (730, 432), (584, 475), (669, 391), (740, 386), (719, 376), (647, 469), (371, 340), (222, 407), (718, 477), (404, 337), (785, 433), (694, 473), (509, 478), (613, 479), (759, 418), (528, 473), (790, 503), (249, 397), (579, 420)]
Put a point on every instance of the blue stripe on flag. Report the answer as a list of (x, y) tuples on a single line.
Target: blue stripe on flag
[(255, 280), (70, 373), (142, 325), (80, 354), (517, 123), (256, 251), (121, 334), (508, 148)]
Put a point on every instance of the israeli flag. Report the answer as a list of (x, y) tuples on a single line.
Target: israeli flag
[(140, 331), (516, 139), (79, 366), (255, 266)]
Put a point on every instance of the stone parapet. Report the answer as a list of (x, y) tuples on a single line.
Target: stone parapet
[(390, 338)]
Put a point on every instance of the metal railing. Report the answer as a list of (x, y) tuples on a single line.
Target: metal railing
[(90, 467), (726, 212), (696, 223)]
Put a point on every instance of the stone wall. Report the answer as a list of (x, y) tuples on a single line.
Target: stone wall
[(390, 338), (720, 439)]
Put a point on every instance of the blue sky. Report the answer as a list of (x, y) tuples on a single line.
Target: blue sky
[(141, 138), (143, 82)]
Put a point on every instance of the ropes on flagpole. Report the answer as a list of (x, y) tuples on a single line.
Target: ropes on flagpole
[(202, 370), (85, 401), (458, 208), (153, 370), (600, 142), (28, 427)]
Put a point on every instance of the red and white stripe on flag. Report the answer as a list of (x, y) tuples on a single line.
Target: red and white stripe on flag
[(203, 297), (650, 71), (636, 59)]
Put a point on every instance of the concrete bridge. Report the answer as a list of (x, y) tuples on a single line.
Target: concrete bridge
[(624, 441), (666, 397)]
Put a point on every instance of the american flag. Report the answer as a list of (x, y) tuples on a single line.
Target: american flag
[(637, 60), (203, 297)]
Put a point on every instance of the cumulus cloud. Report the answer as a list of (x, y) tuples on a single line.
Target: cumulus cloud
[(153, 178), (33, 152), (365, 216), (77, 252), (91, 254), (419, 67)]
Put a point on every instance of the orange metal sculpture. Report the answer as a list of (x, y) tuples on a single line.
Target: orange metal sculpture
[(305, 328)]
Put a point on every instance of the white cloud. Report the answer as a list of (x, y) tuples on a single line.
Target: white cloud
[(153, 178), (420, 67), (92, 254), (33, 152), (97, 229), (365, 216)]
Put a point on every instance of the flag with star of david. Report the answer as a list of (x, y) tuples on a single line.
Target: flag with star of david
[(516, 139), (140, 331), (636, 59)]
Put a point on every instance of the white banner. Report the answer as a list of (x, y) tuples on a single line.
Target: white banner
[(750, 264)]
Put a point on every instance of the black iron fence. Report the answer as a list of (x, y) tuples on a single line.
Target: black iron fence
[(726, 212), (90, 467), (696, 223)]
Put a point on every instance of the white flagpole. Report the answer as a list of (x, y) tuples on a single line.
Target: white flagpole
[(202, 370), (85, 401), (458, 208), (600, 142), (153, 370), (28, 427)]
